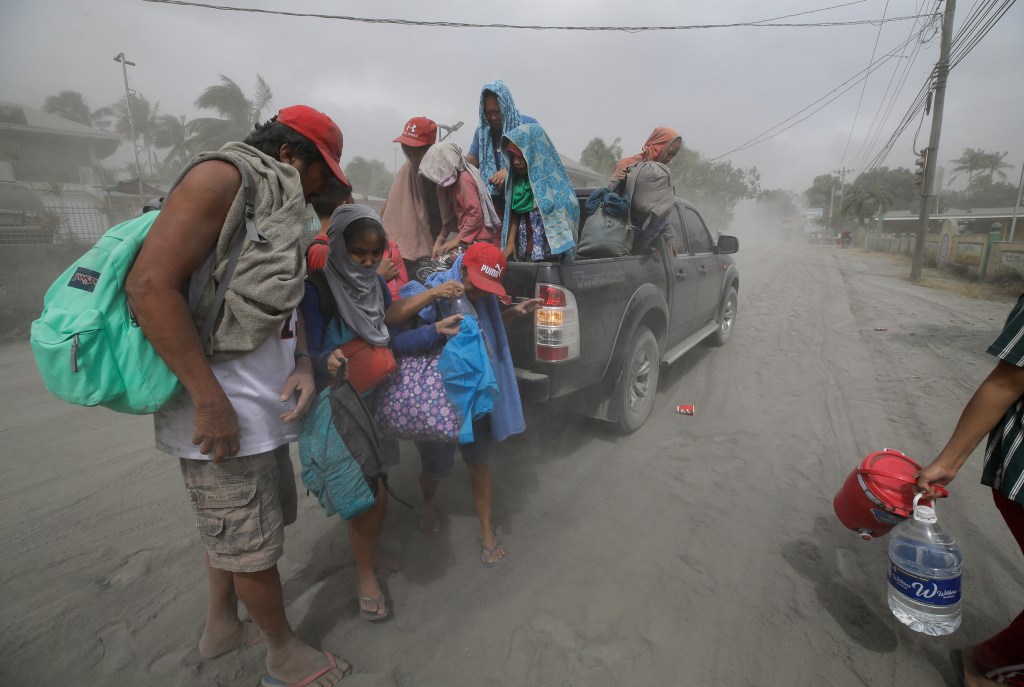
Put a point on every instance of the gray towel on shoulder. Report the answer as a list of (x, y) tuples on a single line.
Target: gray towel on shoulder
[(268, 281)]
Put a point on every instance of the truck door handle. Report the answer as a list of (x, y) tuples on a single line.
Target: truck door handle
[(701, 270), (680, 275)]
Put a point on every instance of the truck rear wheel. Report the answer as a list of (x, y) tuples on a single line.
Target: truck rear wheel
[(638, 382)]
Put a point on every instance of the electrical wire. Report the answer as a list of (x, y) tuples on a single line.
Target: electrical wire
[(761, 23), (850, 83), (977, 25), (881, 119), (864, 88)]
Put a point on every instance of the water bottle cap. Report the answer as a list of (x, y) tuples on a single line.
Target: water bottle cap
[(924, 513)]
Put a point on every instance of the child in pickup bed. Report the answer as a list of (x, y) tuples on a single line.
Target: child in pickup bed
[(542, 214)]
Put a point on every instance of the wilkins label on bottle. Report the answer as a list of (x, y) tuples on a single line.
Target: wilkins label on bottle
[(922, 589)]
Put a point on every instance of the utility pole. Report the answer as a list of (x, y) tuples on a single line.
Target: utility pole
[(931, 153), (131, 122), (841, 173)]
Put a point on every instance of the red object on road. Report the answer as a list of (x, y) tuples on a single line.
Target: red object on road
[(685, 410), (878, 494)]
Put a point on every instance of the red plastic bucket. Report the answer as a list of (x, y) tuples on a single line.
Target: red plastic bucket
[(878, 494)]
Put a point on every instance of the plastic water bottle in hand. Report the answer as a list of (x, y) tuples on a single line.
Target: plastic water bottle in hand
[(925, 564), (460, 305)]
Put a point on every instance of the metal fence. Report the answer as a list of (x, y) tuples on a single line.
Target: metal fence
[(58, 222)]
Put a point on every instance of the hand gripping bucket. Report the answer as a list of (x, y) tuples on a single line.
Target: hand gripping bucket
[(878, 494)]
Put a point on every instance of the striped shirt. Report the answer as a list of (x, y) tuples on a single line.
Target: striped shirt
[(1004, 457)]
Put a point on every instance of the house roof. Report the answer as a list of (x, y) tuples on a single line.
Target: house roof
[(16, 117), (954, 214)]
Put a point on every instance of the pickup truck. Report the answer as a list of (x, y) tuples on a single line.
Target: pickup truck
[(608, 324)]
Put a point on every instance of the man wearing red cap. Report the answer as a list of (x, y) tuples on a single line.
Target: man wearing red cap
[(480, 270), (411, 216), (245, 388)]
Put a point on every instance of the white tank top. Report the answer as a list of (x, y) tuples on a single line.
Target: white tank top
[(253, 384)]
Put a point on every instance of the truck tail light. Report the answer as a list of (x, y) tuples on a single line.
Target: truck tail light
[(556, 324)]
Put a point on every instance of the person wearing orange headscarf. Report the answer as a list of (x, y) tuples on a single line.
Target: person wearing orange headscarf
[(662, 145)]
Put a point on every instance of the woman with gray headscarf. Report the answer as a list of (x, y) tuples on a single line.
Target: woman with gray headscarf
[(349, 300)]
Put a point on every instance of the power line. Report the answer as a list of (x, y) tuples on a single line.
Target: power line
[(871, 138), (974, 29), (761, 23), (864, 89), (849, 84)]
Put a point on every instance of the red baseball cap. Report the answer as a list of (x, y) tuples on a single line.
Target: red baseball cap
[(419, 132), (485, 263), (321, 130)]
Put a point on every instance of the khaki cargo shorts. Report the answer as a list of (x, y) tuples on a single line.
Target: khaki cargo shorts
[(242, 505)]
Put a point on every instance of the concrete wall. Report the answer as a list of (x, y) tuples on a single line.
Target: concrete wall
[(983, 255)]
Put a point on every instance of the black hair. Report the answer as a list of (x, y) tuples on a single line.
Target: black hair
[(270, 136), (334, 195), (364, 225)]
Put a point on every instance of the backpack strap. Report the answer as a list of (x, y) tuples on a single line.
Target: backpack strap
[(253, 234)]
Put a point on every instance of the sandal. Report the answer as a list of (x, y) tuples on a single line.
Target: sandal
[(491, 551), (430, 524), (375, 615)]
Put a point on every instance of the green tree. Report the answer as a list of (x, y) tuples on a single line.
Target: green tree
[(369, 177), (971, 162), (600, 156), (69, 105), (982, 193), (144, 116), (820, 192), (172, 134), (237, 113), (714, 186), (898, 185), (863, 203), (995, 163)]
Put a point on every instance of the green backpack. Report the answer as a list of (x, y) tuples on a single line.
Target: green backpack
[(89, 349)]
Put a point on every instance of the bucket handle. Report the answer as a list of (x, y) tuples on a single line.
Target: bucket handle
[(901, 478)]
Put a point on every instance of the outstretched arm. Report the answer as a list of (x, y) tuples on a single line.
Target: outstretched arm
[(1000, 390)]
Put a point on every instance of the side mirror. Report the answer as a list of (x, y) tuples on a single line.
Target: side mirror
[(728, 244)]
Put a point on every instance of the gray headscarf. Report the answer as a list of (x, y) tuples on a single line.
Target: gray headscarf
[(356, 289)]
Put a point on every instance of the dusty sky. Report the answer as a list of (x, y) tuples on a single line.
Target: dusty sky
[(719, 87)]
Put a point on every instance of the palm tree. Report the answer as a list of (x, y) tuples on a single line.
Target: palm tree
[(238, 114), (172, 134), (971, 162), (369, 177), (600, 156), (995, 163), (69, 105), (144, 116)]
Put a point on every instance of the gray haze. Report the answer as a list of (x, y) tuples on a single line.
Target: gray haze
[(719, 87)]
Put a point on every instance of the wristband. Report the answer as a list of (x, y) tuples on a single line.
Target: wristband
[(302, 354)]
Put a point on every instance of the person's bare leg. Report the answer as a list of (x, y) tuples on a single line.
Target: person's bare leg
[(289, 659), (429, 521), (224, 632), (363, 536), (480, 476)]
